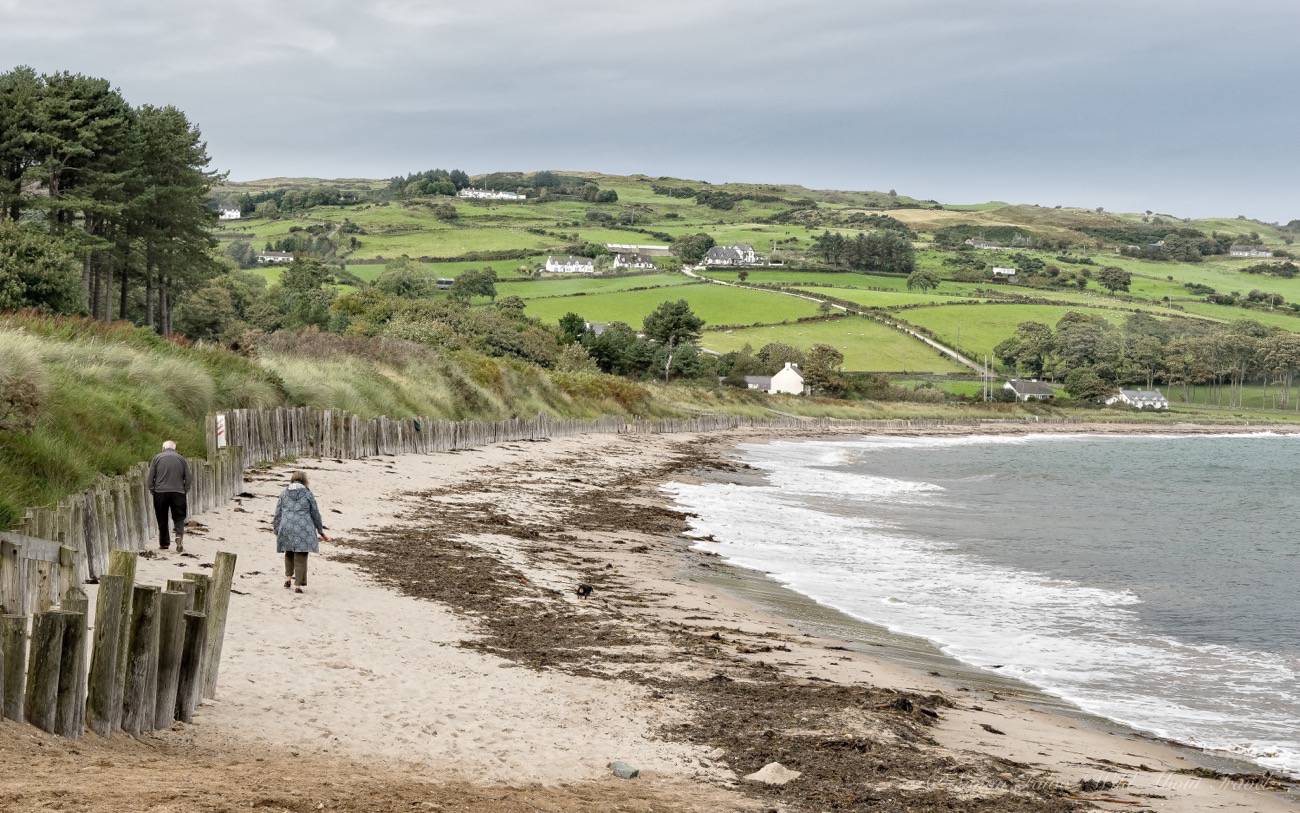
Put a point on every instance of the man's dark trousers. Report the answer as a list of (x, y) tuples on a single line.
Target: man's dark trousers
[(169, 502)]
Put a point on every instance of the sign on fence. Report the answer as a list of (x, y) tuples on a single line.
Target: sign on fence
[(221, 431)]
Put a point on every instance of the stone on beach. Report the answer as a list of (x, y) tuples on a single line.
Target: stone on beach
[(773, 773), (624, 771)]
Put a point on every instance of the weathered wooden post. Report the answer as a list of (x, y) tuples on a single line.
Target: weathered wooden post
[(68, 571), (122, 563), (171, 642), (12, 583), (189, 687), (43, 670), (70, 716), (142, 661), (103, 662), (223, 576), (183, 586), (202, 592), (13, 639)]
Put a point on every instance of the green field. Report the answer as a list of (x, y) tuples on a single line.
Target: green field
[(882, 299), (715, 304), (979, 328), (867, 345), (578, 286)]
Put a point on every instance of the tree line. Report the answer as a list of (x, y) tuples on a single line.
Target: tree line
[(103, 205), (1093, 357)]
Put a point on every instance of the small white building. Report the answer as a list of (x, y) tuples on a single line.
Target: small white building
[(1139, 399), (740, 254), (787, 381), (999, 271), (1249, 251), (488, 194), (570, 265), (633, 262), (229, 214), (444, 283), (980, 242), (275, 256), (1029, 390)]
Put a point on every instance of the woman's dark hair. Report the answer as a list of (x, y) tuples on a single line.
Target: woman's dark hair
[(299, 477)]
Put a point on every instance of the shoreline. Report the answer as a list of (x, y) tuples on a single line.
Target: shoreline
[(766, 592), (446, 608)]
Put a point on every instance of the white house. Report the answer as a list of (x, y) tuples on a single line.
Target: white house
[(1249, 251), (275, 256), (633, 262), (229, 214), (444, 283), (1139, 399), (570, 265), (740, 254), (1003, 272), (980, 242), (489, 194), (787, 381), (1029, 390)]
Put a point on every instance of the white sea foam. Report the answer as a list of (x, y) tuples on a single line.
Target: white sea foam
[(1084, 644)]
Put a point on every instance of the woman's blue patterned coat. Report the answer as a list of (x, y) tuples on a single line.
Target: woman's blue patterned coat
[(297, 521)]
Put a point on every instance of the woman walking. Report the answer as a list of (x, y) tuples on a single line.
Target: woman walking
[(297, 526)]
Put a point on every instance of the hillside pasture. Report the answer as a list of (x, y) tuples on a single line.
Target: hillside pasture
[(576, 285), (715, 304), (979, 328), (867, 345)]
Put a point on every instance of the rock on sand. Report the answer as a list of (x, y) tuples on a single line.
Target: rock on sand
[(773, 773)]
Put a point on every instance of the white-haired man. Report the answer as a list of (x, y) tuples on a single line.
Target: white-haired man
[(169, 480)]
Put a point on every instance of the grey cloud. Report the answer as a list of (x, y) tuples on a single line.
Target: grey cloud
[(1158, 104)]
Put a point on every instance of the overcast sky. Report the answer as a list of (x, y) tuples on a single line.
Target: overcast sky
[(1182, 106)]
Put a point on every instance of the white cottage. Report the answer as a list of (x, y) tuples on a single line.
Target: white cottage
[(1249, 251), (1139, 399), (570, 265), (740, 254), (1029, 390), (275, 257), (999, 271), (229, 214), (488, 194), (633, 262), (787, 381), (980, 242)]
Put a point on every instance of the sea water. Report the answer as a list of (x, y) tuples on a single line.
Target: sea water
[(1152, 580)]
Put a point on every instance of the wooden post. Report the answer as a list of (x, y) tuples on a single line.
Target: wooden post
[(223, 576), (171, 642), (202, 592), (189, 687), (43, 670), (13, 639), (183, 586), (12, 583), (103, 663), (70, 716), (122, 563), (67, 571), (142, 661)]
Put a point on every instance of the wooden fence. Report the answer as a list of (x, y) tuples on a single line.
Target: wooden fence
[(151, 655)]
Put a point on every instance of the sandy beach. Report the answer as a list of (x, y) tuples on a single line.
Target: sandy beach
[(442, 658)]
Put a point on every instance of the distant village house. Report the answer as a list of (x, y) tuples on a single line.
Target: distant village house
[(633, 262), (489, 194), (275, 256), (444, 284), (1139, 399), (741, 254), (1003, 272), (570, 265), (1029, 390), (229, 214), (980, 242), (1249, 251)]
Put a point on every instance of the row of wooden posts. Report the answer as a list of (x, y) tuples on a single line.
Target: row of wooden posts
[(152, 654)]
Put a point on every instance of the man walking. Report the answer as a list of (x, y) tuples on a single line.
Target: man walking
[(169, 479)]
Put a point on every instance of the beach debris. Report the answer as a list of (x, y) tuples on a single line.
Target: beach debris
[(1091, 785), (584, 590), (991, 729), (773, 773), (624, 771)]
